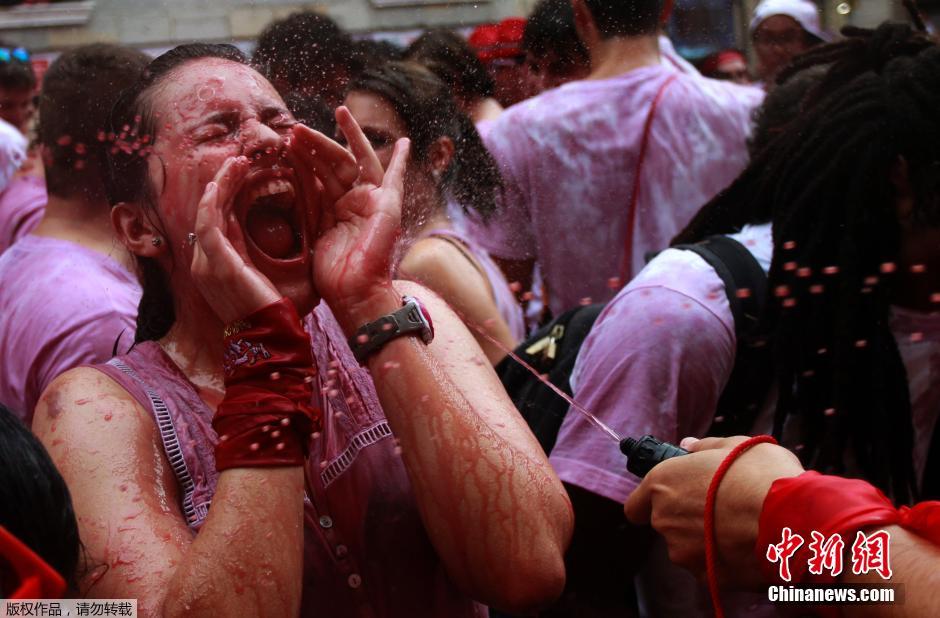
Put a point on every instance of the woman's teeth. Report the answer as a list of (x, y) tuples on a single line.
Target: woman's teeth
[(277, 186)]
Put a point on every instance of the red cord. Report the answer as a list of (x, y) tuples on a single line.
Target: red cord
[(711, 544), (626, 265)]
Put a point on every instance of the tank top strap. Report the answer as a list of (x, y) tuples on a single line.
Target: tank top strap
[(183, 422)]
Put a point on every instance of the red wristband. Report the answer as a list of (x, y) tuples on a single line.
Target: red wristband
[(831, 505), (711, 498), (814, 502), (267, 415)]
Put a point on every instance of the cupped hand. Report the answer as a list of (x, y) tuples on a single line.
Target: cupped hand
[(220, 267), (671, 498), (354, 208)]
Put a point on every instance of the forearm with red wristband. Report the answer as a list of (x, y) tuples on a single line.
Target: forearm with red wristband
[(806, 503), (267, 415), (832, 505)]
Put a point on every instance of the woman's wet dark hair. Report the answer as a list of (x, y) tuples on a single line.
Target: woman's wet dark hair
[(429, 112), (132, 128), (35, 504), (825, 184)]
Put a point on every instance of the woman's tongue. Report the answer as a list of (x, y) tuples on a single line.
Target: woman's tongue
[(271, 231)]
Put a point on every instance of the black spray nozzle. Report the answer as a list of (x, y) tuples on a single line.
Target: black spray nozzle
[(646, 452)]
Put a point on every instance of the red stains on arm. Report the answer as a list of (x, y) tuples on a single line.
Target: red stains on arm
[(126, 501), (495, 511)]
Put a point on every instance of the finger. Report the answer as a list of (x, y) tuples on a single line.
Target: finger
[(237, 238), (370, 169), (229, 180), (639, 505), (687, 443), (395, 175), (334, 165), (312, 193), (707, 444), (209, 219)]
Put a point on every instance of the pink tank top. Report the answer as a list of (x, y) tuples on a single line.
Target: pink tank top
[(366, 553), (507, 305)]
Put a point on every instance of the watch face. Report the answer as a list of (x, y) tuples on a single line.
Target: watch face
[(424, 314)]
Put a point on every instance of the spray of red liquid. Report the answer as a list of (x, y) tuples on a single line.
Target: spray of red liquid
[(598, 423)]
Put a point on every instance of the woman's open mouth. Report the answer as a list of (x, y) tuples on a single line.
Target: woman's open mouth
[(271, 219)]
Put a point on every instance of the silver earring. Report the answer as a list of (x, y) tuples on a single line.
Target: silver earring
[(156, 241), (191, 239)]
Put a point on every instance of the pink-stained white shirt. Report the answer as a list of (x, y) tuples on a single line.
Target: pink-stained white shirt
[(13, 146), (656, 363), (366, 551), (569, 157), (662, 351), (22, 205), (61, 306)]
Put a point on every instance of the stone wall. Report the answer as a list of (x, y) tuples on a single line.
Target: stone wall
[(158, 23)]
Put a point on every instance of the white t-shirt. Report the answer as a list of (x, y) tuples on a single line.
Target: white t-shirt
[(569, 158)]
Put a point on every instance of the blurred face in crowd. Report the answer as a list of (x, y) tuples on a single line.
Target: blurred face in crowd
[(382, 126), (776, 41), (17, 106), (512, 80), (733, 70), (551, 70), (208, 111)]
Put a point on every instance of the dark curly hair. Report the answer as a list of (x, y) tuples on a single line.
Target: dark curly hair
[(824, 183)]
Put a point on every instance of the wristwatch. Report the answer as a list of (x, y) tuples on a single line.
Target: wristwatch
[(411, 319)]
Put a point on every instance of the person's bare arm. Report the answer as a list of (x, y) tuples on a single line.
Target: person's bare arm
[(127, 504), (498, 516), (439, 266), (494, 510), (915, 563), (672, 498)]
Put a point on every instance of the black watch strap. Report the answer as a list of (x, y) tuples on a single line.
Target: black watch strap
[(411, 319)]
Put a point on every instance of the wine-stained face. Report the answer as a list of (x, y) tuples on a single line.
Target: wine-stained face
[(210, 110)]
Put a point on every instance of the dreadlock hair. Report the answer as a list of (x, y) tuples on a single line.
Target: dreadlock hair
[(837, 238), (429, 112), (780, 107), (446, 54), (132, 129)]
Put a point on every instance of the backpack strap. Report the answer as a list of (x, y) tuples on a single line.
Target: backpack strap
[(746, 288), (745, 281)]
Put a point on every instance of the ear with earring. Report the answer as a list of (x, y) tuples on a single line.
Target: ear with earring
[(156, 241)]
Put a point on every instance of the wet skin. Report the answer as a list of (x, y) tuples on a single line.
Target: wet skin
[(491, 505)]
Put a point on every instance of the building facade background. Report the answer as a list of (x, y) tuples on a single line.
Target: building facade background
[(47, 27)]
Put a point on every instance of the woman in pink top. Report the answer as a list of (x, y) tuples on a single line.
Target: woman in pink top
[(421, 492), (448, 160)]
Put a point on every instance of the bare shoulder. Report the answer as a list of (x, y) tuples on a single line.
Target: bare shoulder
[(84, 406), (432, 255)]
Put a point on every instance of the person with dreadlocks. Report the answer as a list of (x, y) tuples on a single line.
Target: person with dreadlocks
[(449, 164), (838, 208)]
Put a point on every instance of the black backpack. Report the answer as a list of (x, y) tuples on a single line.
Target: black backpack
[(553, 349)]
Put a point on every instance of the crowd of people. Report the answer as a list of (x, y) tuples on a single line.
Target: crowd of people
[(254, 312)]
